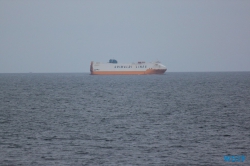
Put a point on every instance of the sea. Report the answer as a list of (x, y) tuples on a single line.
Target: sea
[(178, 118)]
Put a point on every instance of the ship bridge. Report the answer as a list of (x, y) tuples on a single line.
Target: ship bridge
[(112, 61)]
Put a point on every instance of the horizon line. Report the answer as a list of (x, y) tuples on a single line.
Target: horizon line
[(89, 72)]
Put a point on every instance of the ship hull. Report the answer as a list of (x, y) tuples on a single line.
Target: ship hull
[(148, 71), (140, 68)]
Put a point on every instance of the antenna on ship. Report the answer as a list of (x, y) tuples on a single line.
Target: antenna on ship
[(158, 61)]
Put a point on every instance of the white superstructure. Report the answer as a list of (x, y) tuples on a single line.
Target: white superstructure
[(112, 67)]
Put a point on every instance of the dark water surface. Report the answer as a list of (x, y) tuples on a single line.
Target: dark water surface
[(79, 119)]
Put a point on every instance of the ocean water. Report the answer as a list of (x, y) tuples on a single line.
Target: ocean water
[(80, 119)]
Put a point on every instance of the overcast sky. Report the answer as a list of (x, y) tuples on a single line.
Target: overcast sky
[(66, 35)]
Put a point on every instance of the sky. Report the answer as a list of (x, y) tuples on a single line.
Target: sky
[(64, 36)]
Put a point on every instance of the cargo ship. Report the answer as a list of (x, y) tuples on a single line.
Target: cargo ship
[(114, 68)]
